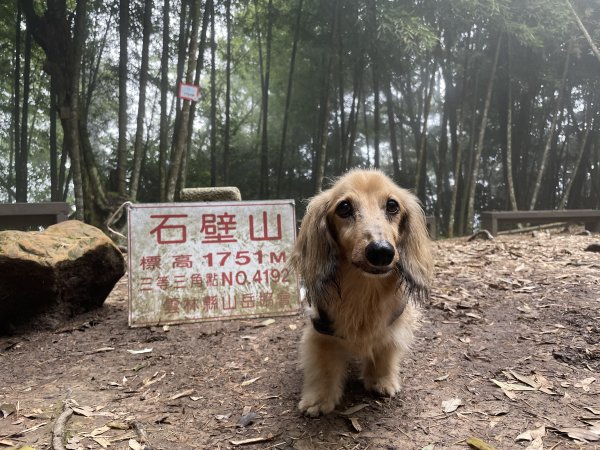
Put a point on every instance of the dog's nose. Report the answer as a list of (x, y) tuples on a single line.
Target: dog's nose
[(380, 253)]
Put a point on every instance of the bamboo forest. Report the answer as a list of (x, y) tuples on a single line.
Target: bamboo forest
[(473, 105)]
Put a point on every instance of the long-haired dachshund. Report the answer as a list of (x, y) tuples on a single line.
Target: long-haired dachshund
[(363, 252)]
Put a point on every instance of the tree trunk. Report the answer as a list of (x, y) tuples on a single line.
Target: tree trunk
[(54, 168), (392, 126), (457, 150), (375, 66), (341, 95), (164, 91), (320, 153), (354, 114), (123, 61), (138, 145), (73, 120), (23, 156), (213, 99), (584, 31), (227, 130), (557, 113), (583, 140), (264, 147), (510, 185), (480, 141), (288, 99), (63, 50), (180, 143), (199, 66), (16, 116), (421, 172)]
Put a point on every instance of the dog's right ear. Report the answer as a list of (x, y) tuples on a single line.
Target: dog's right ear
[(315, 254)]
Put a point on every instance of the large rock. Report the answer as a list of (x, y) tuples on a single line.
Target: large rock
[(49, 276)]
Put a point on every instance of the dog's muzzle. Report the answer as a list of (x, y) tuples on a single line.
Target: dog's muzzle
[(380, 253)]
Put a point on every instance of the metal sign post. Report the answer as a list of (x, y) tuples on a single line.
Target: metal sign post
[(191, 262)]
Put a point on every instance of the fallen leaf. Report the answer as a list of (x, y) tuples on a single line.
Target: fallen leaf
[(222, 417), (134, 445), (479, 444), (248, 382), (512, 386), (118, 425), (355, 424), (153, 379), (99, 431), (255, 440), (473, 316), (6, 409), (581, 434), (185, 393), (85, 411), (536, 381), (102, 350), (530, 435), (451, 405), (585, 383), (354, 409), (442, 378), (595, 411), (429, 447), (265, 323), (140, 352), (102, 442)]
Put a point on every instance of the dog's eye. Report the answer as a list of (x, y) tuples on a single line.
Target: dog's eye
[(344, 209), (392, 207)]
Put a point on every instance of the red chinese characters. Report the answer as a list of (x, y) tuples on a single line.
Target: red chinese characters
[(175, 234), (218, 228)]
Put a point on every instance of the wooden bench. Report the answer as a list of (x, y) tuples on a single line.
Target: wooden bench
[(30, 216), (491, 220)]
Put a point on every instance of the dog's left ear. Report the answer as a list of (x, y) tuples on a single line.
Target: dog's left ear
[(416, 263)]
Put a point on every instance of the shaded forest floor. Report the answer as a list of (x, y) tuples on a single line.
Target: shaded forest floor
[(510, 344)]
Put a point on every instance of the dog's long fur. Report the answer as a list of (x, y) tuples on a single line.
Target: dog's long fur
[(359, 308)]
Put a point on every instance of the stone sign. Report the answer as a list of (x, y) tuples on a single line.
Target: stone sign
[(192, 262)]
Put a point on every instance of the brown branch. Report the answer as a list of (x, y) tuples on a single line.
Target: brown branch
[(58, 431)]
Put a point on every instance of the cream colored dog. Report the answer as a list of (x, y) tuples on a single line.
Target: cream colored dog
[(363, 251)]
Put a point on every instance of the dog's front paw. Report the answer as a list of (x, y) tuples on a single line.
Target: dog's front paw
[(314, 405), (386, 386)]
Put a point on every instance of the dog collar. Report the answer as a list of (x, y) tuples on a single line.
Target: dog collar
[(324, 325)]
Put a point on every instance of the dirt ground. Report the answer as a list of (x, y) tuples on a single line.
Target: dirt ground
[(509, 352)]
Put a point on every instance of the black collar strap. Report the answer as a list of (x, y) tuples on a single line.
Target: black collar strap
[(324, 325)]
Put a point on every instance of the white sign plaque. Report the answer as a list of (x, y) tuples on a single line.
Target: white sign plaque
[(188, 92), (191, 262)]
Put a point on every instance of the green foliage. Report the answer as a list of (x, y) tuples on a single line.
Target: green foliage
[(452, 41)]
